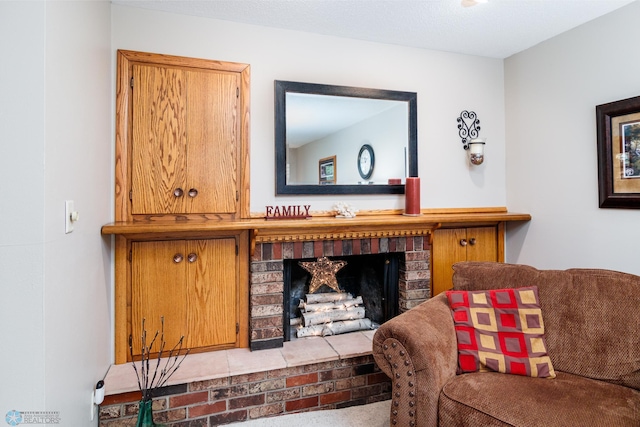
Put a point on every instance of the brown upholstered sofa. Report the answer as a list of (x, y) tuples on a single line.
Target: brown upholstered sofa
[(592, 332)]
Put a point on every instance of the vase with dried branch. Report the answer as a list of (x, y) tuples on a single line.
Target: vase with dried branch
[(148, 381)]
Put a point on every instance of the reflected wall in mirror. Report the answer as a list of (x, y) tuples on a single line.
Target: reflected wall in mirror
[(314, 121)]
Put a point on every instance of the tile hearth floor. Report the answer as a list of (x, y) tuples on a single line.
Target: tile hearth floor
[(238, 361)]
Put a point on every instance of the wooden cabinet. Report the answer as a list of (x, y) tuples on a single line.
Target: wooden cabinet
[(185, 141), (181, 138), (182, 142), (451, 245), (193, 284)]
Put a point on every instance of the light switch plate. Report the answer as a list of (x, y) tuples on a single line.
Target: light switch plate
[(68, 208)]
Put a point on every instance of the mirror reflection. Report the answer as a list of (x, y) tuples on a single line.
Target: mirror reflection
[(320, 126), (343, 140)]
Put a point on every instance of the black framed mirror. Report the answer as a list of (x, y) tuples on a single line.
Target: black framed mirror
[(320, 131)]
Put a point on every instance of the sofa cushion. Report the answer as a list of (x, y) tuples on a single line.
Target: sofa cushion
[(492, 399), (500, 330), (591, 317)]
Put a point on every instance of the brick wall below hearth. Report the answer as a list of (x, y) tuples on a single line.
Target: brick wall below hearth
[(326, 385)]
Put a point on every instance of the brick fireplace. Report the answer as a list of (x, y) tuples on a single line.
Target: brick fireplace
[(283, 378), (267, 276)]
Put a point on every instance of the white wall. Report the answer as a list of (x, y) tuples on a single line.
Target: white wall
[(57, 133), (551, 93), (22, 110), (445, 83)]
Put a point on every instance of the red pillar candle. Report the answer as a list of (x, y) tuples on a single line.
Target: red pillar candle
[(412, 196)]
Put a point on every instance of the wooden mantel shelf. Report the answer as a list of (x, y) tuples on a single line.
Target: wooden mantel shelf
[(318, 227)]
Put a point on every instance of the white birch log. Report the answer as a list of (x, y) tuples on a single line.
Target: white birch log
[(349, 326), (327, 297), (295, 321), (335, 328), (310, 331), (319, 317), (335, 305)]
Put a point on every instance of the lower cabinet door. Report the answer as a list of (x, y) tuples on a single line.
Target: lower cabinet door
[(157, 291), (460, 244), (192, 285), (211, 297), (482, 244), (446, 251)]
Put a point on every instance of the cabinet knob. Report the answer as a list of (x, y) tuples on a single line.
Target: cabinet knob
[(177, 258), (178, 192), (463, 242), (193, 192), (192, 257), (472, 241)]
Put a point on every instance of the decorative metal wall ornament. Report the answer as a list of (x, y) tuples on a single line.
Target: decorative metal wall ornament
[(468, 127)]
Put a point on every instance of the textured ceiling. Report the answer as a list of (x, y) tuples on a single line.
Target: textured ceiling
[(497, 29)]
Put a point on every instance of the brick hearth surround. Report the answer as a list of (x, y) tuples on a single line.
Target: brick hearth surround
[(325, 384), (267, 283)]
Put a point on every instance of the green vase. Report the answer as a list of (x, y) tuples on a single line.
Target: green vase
[(145, 414)]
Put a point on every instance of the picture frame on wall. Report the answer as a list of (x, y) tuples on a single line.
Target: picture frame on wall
[(327, 170), (618, 137)]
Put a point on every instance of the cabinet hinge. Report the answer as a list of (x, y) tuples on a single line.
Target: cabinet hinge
[(131, 82), (130, 256), (237, 195), (237, 328), (237, 250), (131, 195), (237, 92)]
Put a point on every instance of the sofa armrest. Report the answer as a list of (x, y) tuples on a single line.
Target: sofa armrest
[(418, 351)]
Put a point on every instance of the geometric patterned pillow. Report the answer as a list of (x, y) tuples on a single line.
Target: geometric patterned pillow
[(500, 330)]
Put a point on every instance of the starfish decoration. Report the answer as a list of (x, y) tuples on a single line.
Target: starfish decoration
[(323, 272)]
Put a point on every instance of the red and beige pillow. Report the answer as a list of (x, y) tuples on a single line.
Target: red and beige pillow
[(500, 330)]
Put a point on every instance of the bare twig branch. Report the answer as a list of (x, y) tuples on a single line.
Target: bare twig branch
[(133, 361), (173, 367), (145, 374), (155, 372), (161, 374)]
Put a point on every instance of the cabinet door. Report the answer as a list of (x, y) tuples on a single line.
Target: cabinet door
[(446, 249), (213, 139), (158, 289), (192, 284), (460, 244), (159, 132), (482, 244), (186, 137), (212, 299)]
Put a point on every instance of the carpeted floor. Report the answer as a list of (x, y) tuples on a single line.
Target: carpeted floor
[(371, 415)]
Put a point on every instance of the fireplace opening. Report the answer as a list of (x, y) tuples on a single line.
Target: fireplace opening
[(373, 277)]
